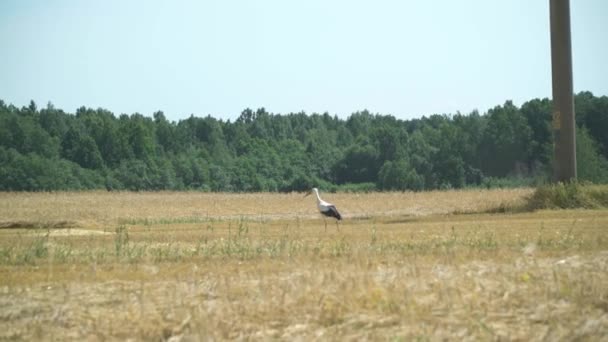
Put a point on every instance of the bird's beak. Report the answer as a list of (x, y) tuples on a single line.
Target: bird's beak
[(308, 193)]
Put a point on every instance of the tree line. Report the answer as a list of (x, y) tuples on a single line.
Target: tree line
[(48, 149)]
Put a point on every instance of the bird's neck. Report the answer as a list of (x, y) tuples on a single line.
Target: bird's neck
[(318, 197)]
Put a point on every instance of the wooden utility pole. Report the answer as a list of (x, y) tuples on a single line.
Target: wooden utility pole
[(564, 126)]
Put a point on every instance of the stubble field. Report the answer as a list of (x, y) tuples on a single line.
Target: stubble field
[(400, 266)]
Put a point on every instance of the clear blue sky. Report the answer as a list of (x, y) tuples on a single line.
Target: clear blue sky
[(405, 58)]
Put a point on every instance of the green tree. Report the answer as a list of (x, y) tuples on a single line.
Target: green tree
[(420, 156), (505, 144), (591, 164), (399, 175), (538, 115), (165, 132), (359, 164), (593, 112), (81, 149)]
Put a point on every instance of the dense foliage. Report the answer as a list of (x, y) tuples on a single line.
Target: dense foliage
[(49, 149)]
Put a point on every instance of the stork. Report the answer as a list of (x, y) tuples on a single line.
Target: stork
[(327, 209)]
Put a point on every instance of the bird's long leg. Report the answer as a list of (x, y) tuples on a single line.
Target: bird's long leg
[(338, 225), (325, 220)]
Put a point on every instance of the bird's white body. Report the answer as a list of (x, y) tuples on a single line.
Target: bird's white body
[(323, 206), (326, 208)]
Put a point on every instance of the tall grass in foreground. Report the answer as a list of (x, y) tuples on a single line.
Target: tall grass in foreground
[(529, 276)]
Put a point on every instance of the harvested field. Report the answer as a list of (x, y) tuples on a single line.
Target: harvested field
[(107, 208), (190, 266)]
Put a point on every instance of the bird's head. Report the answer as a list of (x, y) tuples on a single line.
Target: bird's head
[(311, 191)]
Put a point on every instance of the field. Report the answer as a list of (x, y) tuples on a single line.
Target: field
[(185, 266)]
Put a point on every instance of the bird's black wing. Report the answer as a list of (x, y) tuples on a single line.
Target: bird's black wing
[(332, 212)]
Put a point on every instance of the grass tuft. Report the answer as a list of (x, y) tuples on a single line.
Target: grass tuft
[(572, 195), (569, 196)]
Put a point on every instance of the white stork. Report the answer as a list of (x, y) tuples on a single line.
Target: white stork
[(326, 208)]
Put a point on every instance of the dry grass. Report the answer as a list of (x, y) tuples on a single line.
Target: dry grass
[(107, 208), (188, 266)]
